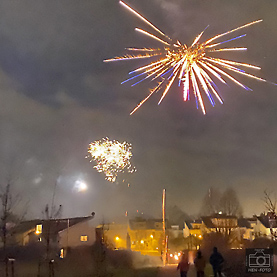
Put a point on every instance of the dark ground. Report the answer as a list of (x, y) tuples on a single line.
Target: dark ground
[(84, 262)]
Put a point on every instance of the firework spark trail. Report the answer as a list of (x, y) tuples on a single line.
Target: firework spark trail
[(152, 36), (111, 157), (143, 19), (191, 66)]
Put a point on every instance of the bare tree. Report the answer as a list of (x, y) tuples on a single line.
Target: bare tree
[(270, 205), (223, 208), (50, 216), (9, 203), (12, 208), (100, 249), (210, 203), (229, 203)]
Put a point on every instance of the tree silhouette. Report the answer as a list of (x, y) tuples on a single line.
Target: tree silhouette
[(210, 203), (229, 203)]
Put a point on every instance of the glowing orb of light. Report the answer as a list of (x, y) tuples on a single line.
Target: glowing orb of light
[(80, 186), (111, 157)]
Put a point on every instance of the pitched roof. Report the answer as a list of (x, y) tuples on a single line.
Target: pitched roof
[(207, 220), (142, 224), (267, 222), (264, 221), (56, 224), (24, 226), (244, 222), (190, 222)]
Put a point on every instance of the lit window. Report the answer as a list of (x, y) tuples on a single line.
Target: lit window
[(38, 229), (62, 253), (84, 238)]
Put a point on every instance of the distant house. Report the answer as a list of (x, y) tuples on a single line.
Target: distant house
[(142, 235), (115, 235), (26, 232), (239, 228), (193, 228), (220, 223), (207, 224), (37, 231), (78, 233), (146, 236), (264, 226), (246, 228)]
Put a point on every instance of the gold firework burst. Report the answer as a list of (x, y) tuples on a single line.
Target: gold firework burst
[(192, 66), (111, 157)]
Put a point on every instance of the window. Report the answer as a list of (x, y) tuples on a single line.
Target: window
[(38, 229), (84, 238), (62, 253)]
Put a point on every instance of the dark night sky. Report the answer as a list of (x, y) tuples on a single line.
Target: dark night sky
[(57, 95)]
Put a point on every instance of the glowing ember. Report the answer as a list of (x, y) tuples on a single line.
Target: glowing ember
[(111, 157), (192, 66)]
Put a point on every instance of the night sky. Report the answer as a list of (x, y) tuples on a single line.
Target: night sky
[(57, 95)]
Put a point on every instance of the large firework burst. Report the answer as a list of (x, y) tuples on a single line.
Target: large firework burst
[(192, 66), (111, 157)]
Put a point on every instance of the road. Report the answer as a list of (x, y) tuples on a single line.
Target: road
[(171, 270)]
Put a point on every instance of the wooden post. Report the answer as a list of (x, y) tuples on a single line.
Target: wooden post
[(164, 230), (12, 265), (67, 237)]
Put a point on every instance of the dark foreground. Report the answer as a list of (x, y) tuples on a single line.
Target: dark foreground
[(63, 269), (89, 262)]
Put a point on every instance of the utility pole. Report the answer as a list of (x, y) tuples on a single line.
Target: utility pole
[(164, 230), (67, 237)]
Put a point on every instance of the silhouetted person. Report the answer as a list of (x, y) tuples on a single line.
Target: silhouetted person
[(216, 260), (200, 264), (183, 265)]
